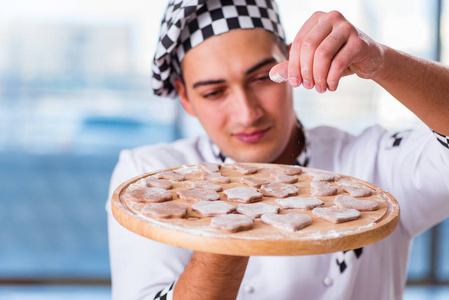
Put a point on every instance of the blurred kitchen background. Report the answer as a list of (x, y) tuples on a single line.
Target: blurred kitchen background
[(75, 89)]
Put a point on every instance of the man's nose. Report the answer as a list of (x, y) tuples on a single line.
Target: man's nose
[(247, 108)]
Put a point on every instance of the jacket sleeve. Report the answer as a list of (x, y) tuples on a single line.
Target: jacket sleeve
[(414, 167), (140, 268)]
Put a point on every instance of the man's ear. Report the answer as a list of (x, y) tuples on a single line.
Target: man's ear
[(181, 89)]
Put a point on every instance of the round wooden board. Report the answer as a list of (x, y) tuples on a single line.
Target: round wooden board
[(320, 237)]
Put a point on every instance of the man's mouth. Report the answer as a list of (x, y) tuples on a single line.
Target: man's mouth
[(251, 136)]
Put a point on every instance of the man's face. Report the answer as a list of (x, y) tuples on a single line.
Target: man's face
[(227, 87)]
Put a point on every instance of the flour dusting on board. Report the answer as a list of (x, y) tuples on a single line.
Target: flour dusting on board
[(283, 197)]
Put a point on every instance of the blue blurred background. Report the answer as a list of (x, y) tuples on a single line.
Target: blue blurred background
[(75, 89)]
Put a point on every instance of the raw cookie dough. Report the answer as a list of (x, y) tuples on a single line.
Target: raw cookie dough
[(304, 203), (197, 195), (355, 191), (170, 175), (245, 169), (252, 181), (166, 210), (289, 170), (279, 190), (194, 231), (336, 215), (213, 208), (146, 194), (209, 167), (157, 183), (343, 201), (284, 178), (243, 194), (290, 221), (207, 185), (323, 176), (216, 177), (320, 188), (255, 210), (232, 223)]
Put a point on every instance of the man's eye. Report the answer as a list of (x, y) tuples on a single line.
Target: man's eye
[(213, 95), (262, 78)]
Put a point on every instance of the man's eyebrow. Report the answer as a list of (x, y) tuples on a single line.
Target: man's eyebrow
[(260, 65), (206, 82), (247, 72)]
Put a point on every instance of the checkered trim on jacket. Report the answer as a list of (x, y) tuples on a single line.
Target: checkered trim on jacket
[(443, 139), (165, 294)]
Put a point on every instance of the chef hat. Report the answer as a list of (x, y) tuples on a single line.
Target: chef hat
[(187, 23)]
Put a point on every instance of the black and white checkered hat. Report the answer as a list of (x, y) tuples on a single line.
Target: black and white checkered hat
[(186, 24)]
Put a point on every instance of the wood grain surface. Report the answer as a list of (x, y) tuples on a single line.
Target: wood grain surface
[(320, 237)]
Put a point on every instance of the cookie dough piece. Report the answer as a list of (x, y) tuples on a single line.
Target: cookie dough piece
[(355, 191), (146, 194), (255, 210), (157, 183), (336, 215), (279, 190), (216, 177), (167, 210), (197, 195), (245, 169), (290, 221), (289, 170), (320, 188), (170, 175), (232, 223), (207, 185), (323, 176), (252, 181), (209, 167), (304, 203), (343, 201), (243, 194), (213, 208), (284, 178)]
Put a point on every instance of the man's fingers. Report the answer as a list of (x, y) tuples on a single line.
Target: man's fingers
[(324, 55), (340, 64), (294, 66), (294, 74), (311, 42), (328, 47), (279, 73)]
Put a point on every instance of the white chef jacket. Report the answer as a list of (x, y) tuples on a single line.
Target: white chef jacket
[(412, 165)]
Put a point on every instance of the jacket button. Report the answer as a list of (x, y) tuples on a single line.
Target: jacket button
[(327, 281)]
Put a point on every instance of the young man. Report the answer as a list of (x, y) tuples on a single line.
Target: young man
[(217, 57)]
